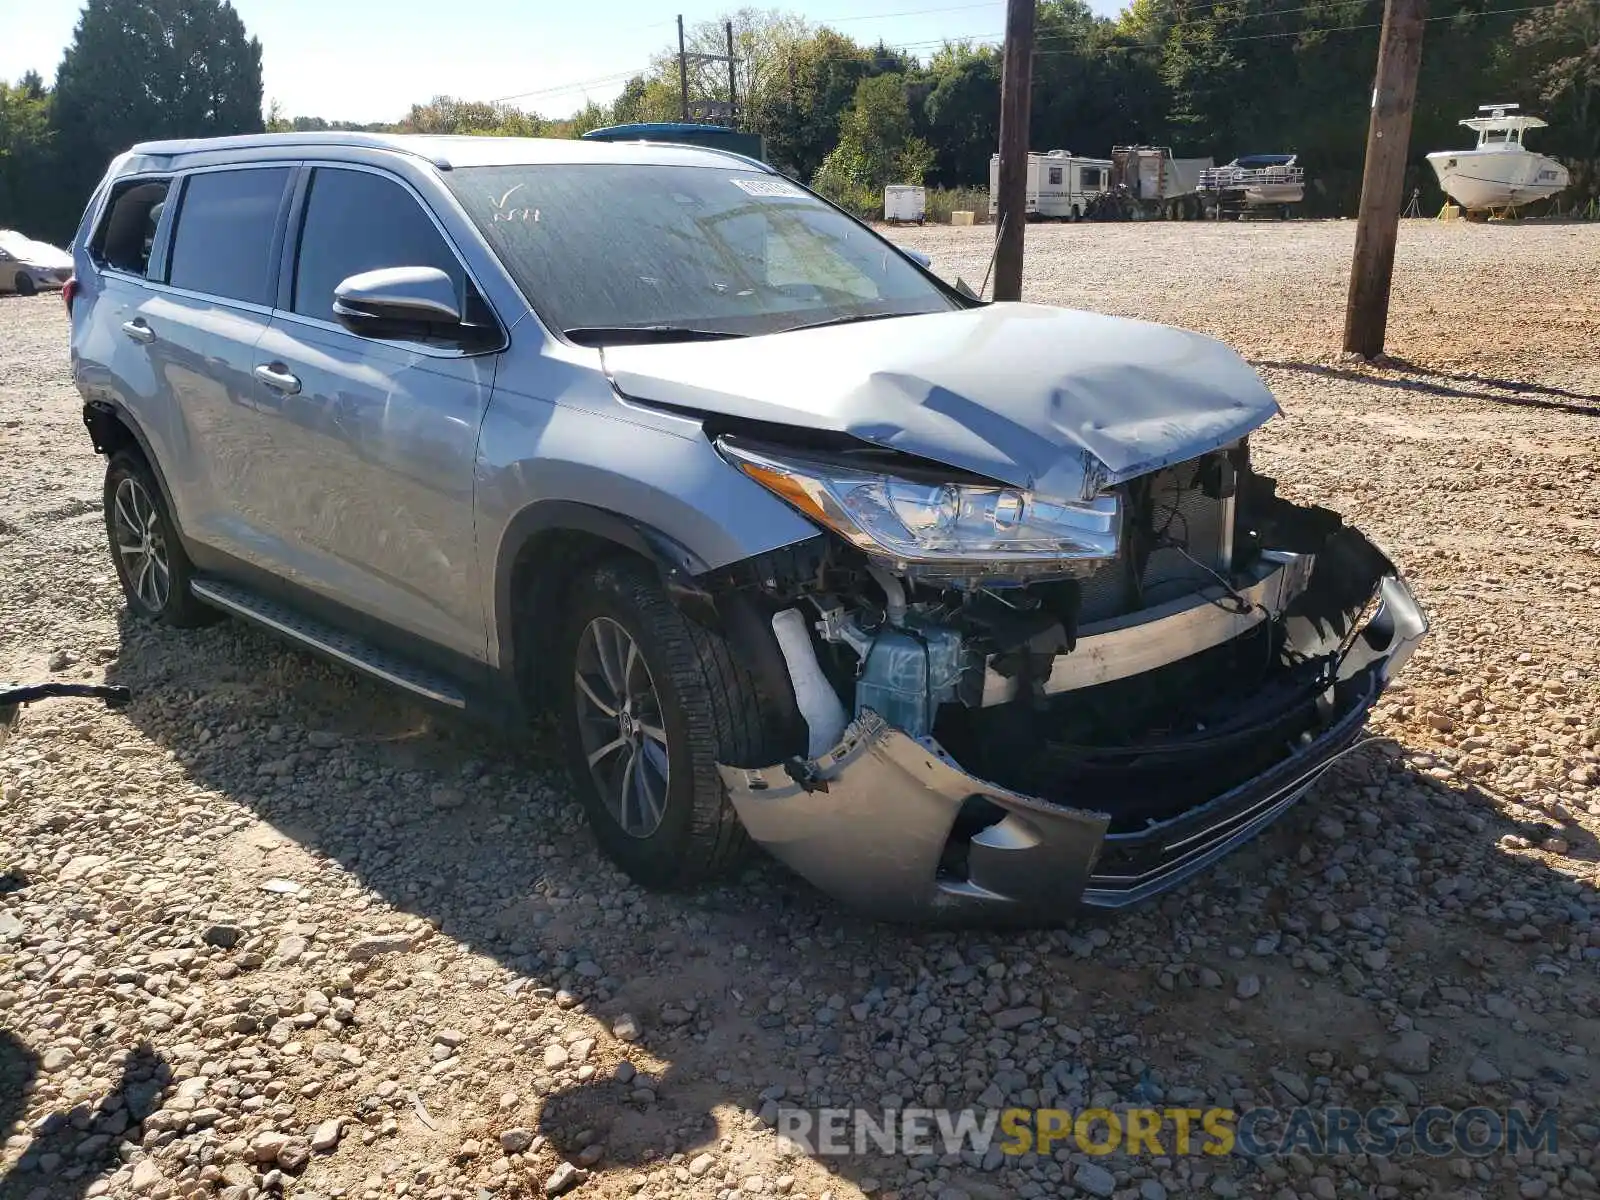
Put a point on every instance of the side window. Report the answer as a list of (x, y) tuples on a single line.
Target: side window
[(126, 235), (223, 243), (1055, 175), (356, 221)]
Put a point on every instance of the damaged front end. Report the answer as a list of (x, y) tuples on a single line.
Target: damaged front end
[(1009, 708)]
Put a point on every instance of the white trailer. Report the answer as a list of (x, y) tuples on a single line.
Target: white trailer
[(1061, 186), (905, 202)]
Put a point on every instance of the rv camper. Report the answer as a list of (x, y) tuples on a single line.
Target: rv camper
[(1060, 186)]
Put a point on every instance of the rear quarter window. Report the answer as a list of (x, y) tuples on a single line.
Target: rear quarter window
[(126, 236), (223, 242)]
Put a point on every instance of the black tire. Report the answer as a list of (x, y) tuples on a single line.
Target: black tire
[(710, 710), (133, 500), (24, 284)]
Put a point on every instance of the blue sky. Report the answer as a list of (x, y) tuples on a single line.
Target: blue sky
[(368, 60)]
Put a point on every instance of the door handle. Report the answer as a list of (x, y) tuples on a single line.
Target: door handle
[(138, 330), (277, 377)]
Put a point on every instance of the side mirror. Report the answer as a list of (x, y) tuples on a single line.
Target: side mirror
[(398, 302), (918, 257)]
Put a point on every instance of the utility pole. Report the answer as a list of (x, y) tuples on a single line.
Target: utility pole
[(733, 109), (1016, 85), (1394, 95), (683, 70)]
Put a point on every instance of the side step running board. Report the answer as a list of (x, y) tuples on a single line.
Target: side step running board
[(325, 639)]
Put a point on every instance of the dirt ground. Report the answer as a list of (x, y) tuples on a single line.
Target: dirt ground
[(273, 929)]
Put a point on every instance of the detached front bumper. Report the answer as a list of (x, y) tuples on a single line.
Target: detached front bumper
[(872, 820)]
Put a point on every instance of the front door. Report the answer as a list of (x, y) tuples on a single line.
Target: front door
[(370, 444)]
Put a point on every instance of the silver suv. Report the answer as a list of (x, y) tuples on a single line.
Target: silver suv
[(960, 609)]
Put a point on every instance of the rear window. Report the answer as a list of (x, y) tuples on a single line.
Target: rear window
[(126, 236), (223, 242)]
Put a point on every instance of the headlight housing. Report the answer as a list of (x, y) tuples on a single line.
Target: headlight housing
[(936, 530)]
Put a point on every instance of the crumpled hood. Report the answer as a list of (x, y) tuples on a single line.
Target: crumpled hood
[(1059, 401)]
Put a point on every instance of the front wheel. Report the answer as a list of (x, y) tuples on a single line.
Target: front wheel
[(24, 284), (149, 558), (653, 702)]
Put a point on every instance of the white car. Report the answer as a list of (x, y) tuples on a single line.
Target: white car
[(27, 266)]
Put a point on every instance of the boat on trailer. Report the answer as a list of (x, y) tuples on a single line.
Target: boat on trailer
[(1501, 173), (1254, 183)]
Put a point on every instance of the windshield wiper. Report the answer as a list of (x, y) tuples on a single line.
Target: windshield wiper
[(852, 319), (623, 335)]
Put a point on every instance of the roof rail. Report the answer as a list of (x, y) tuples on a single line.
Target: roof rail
[(356, 139)]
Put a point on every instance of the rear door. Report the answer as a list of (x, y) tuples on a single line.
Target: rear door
[(118, 257), (368, 446), (200, 331)]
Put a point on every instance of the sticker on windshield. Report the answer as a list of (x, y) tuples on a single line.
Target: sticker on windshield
[(767, 187)]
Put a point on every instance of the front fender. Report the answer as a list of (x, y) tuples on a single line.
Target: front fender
[(655, 485)]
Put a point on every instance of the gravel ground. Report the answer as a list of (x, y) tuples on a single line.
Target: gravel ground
[(271, 928)]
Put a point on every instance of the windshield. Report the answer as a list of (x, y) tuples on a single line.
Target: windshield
[(719, 250)]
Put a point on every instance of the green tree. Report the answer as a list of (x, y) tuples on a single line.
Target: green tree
[(810, 87), (25, 155), (143, 69), (877, 146), (760, 37), (590, 116), (960, 113), (446, 114), (1562, 45)]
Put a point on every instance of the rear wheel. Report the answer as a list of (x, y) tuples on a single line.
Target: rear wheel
[(149, 559), (24, 284), (654, 702)]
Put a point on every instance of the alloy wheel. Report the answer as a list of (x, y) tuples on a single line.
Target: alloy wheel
[(136, 529), (621, 727)]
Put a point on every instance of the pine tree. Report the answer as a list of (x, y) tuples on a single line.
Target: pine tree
[(138, 70)]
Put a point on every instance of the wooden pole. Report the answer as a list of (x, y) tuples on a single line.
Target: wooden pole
[(1016, 81), (683, 70), (1394, 94), (733, 109)]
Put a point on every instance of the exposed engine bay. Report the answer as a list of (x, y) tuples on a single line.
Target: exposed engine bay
[(1205, 637)]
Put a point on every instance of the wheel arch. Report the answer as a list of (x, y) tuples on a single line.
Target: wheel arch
[(548, 545), (113, 429), (541, 553)]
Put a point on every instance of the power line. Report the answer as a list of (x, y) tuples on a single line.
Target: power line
[(623, 76), (577, 86), (1294, 33), (1258, 37), (1182, 24), (915, 12)]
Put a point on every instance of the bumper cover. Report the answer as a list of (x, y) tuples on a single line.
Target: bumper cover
[(870, 821)]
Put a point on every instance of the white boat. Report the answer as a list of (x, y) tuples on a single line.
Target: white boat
[(1500, 173)]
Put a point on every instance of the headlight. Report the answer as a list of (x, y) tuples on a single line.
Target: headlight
[(939, 529)]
